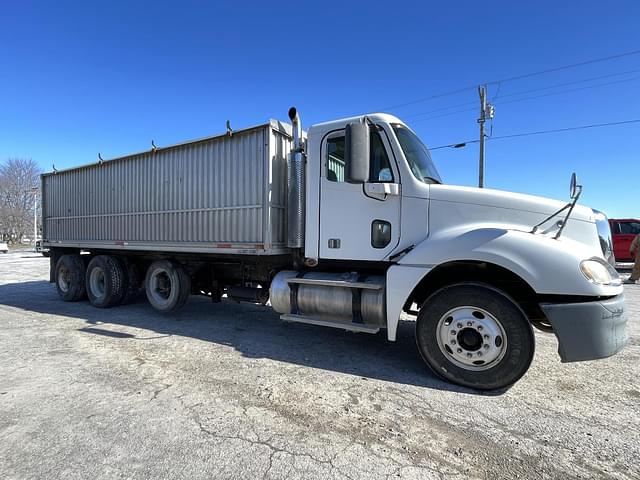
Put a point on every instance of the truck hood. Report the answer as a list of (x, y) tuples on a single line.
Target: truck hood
[(462, 209), (508, 200)]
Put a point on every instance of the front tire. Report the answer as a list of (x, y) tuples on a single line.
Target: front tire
[(475, 336)]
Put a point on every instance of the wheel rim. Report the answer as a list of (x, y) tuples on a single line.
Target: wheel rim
[(97, 282), (64, 279), (160, 286), (471, 338)]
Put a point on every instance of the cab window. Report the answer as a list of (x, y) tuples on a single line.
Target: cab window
[(336, 165), (380, 169)]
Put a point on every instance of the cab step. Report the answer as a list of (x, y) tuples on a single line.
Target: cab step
[(353, 327)]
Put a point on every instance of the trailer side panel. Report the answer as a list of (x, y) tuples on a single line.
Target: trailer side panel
[(224, 194)]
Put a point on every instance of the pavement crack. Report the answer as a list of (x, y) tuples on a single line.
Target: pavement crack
[(263, 443), (160, 390)]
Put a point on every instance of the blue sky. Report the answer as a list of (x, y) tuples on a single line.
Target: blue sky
[(78, 78)]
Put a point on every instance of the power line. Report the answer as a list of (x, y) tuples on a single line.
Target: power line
[(424, 99), (582, 127), (566, 84), (569, 90), (510, 79), (455, 112), (540, 132), (522, 92), (564, 67), (532, 97)]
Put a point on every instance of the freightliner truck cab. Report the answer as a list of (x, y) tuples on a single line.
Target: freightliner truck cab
[(478, 267)]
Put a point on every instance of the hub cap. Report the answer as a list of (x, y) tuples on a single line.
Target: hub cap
[(471, 338), (96, 282), (160, 286), (64, 279)]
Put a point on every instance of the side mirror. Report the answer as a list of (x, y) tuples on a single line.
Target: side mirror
[(357, 152), (574, 188)]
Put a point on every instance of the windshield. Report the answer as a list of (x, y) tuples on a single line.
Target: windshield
[(417, 155)]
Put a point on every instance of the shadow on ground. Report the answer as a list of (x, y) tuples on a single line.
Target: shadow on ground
[(253, 330)]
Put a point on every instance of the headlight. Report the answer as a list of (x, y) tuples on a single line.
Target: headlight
[(599, 272)]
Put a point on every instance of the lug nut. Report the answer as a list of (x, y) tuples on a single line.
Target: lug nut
[(459, 350), (453, 342), (459, 325), (453, 332), (469, 355), (479, 354), (486, 346), (469, 324), (479, 328), (486, 337)]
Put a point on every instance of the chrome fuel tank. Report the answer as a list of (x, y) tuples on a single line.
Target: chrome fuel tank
[(345, 297)]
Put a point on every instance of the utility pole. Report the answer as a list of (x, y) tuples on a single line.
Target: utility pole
[(34, 190), (486, 111), (482, 91)]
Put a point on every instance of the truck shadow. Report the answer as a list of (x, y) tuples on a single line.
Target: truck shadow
[(253, 330)]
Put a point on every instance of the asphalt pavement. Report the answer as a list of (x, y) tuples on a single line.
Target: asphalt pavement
[(229, 391)]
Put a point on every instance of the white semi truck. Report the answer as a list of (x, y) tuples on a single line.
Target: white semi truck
[(347, 225)]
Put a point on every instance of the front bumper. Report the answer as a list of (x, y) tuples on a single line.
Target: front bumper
[(588, 330)]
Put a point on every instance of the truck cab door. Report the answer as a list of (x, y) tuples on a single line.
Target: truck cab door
[(359, 221)]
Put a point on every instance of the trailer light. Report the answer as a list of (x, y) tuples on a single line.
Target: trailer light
[(599, 272)]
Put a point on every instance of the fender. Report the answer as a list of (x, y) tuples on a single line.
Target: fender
[(549, 266)]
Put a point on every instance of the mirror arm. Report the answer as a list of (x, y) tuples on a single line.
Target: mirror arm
[(575, 191), (566, 219), (535, 228)]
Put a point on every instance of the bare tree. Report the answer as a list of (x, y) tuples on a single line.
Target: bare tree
[(18, 176)]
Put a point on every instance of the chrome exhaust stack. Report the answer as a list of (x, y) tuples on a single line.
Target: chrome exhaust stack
[(297, 128), (296, 185)]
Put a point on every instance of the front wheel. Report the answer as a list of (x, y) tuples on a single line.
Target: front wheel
[(476, 336)]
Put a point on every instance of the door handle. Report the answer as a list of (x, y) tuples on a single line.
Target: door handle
[(381, 190)]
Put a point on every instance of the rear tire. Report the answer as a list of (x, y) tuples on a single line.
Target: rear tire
[(167, 286), (475, 336), (105, 281), (70, 278), (133, 280)]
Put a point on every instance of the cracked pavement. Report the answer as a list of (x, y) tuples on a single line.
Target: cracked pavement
[(229, 391)]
